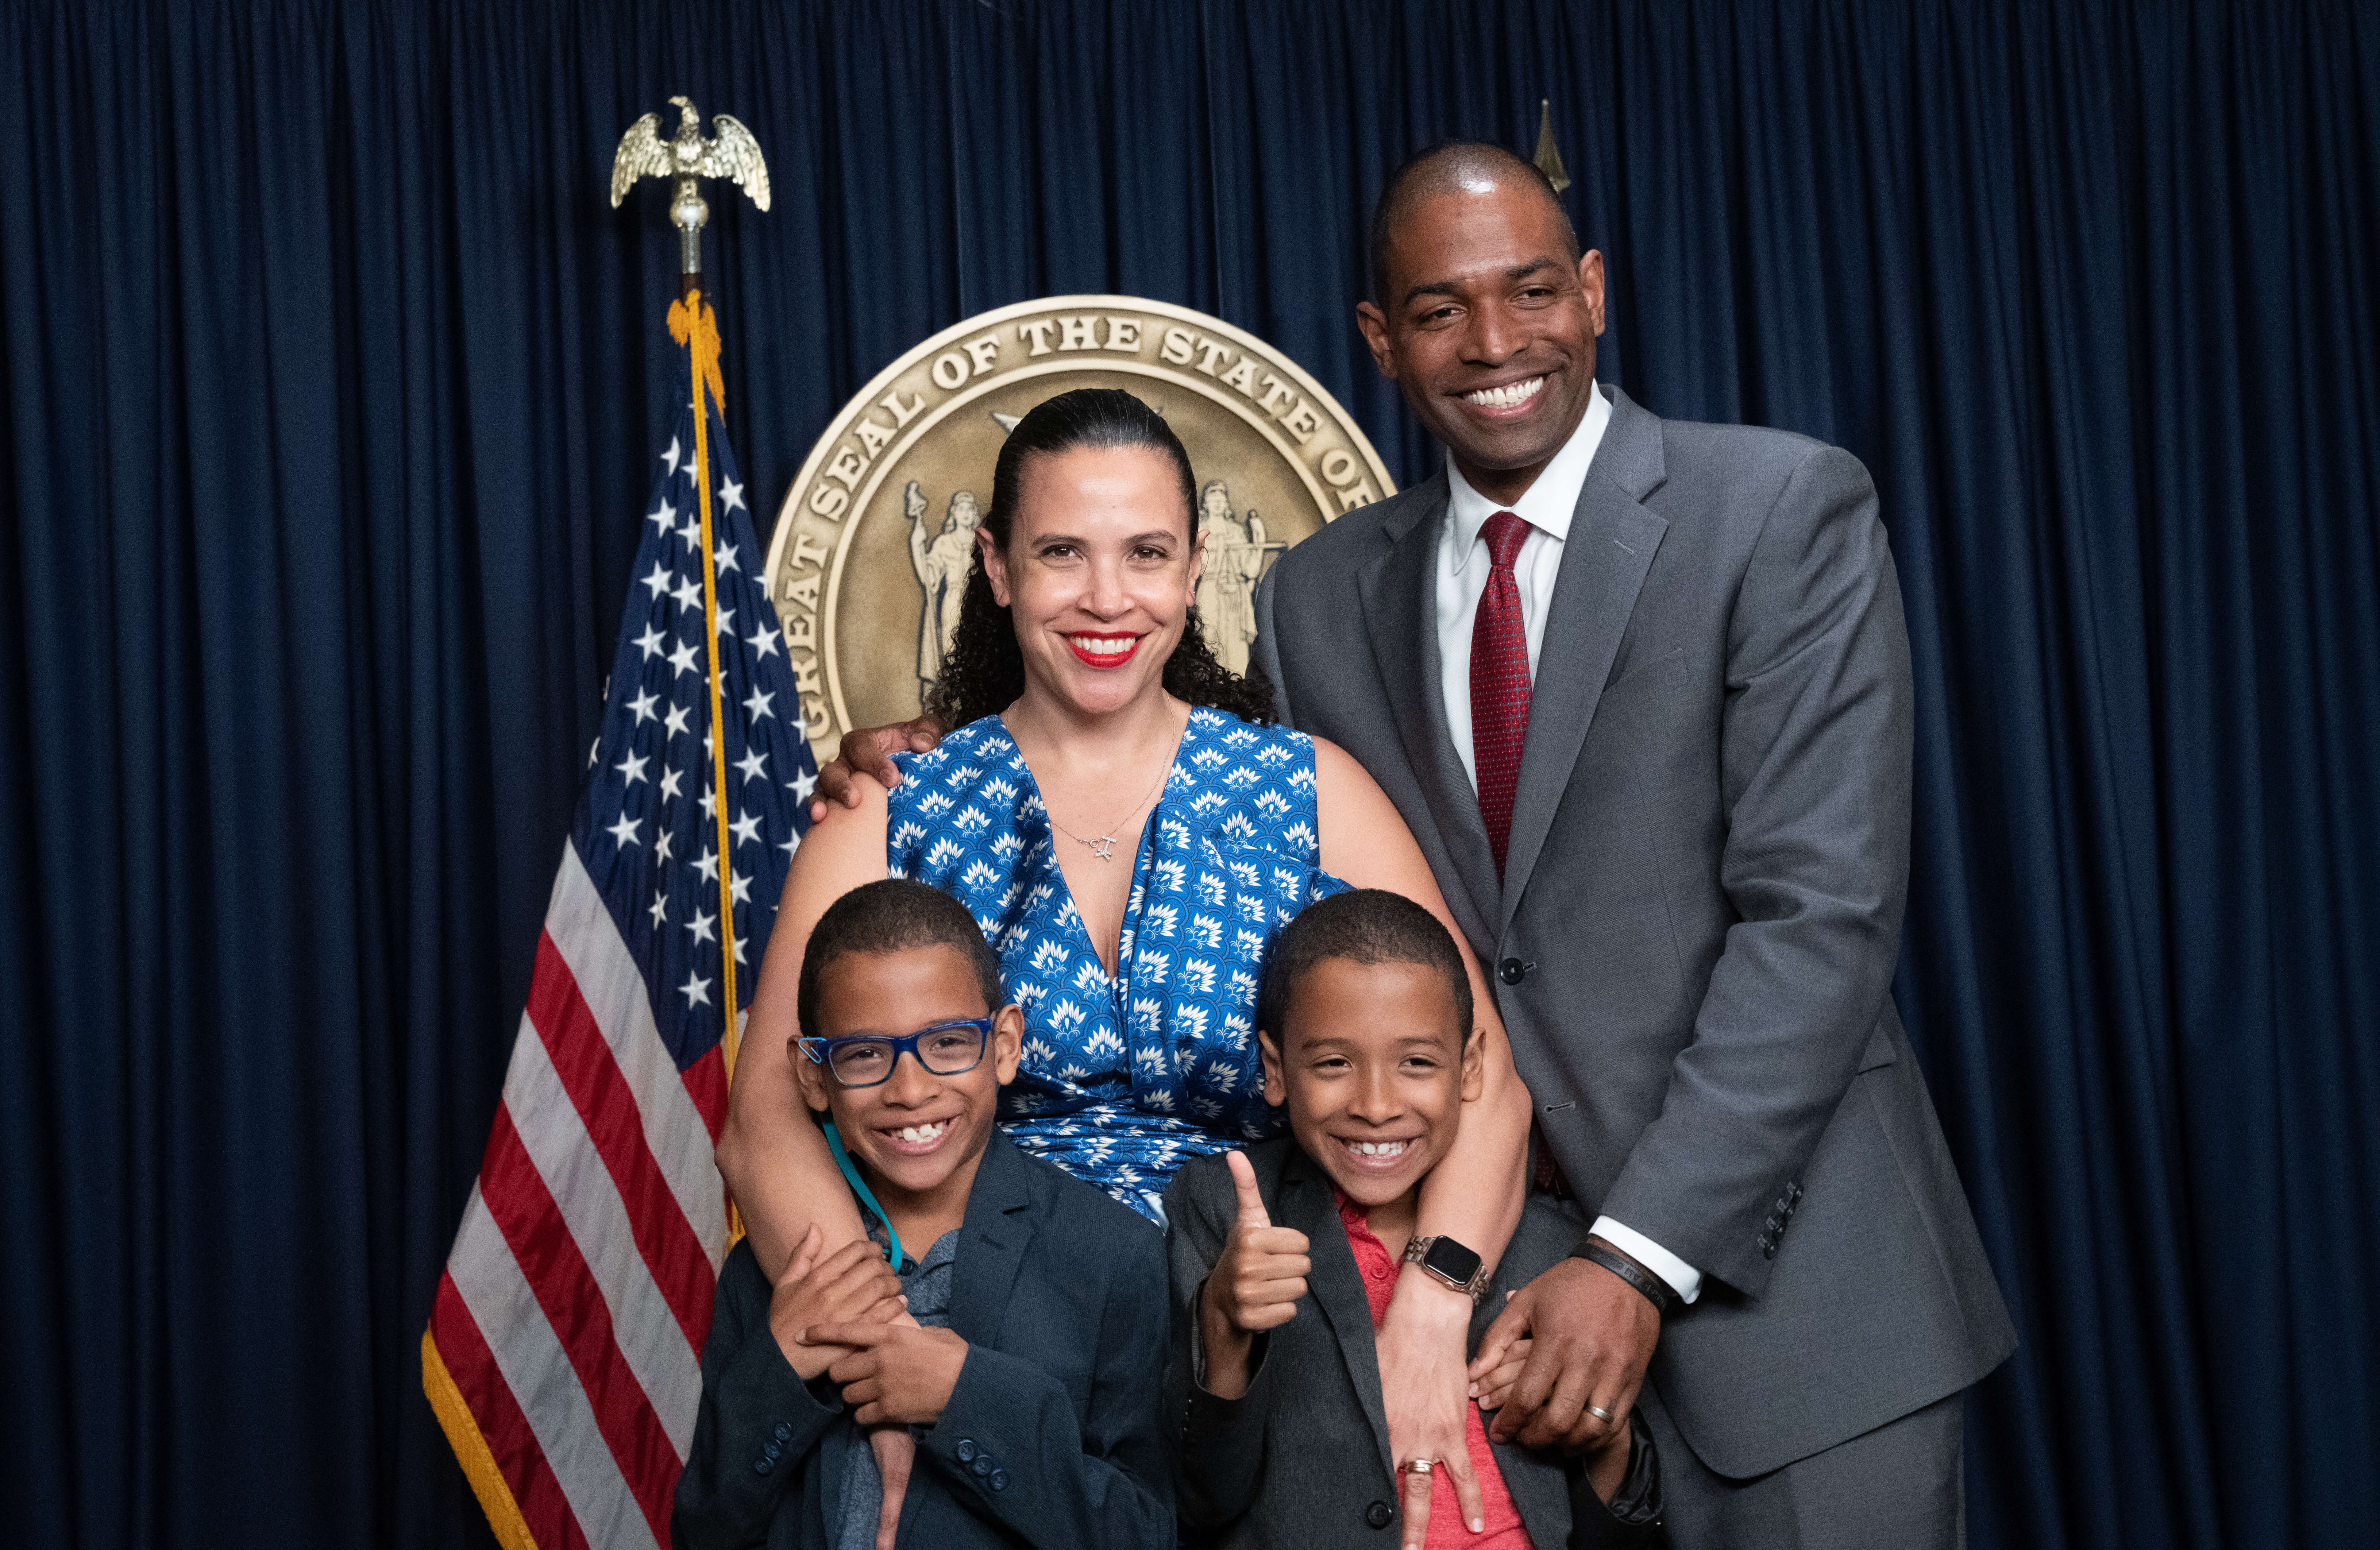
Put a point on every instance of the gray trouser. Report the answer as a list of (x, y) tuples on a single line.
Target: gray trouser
[(1899, 1487)]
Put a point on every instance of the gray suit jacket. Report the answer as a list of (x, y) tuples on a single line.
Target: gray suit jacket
[(1694, 941), (1303, 1457)]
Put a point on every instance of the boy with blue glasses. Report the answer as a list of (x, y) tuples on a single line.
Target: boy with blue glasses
[(1030, 1359)]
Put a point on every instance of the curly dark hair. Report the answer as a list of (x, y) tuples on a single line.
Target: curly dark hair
[(984, 672)]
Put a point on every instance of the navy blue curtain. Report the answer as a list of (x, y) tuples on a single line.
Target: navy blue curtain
[(330, 380)]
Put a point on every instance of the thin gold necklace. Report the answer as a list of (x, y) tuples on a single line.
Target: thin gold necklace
[(1104, 847)]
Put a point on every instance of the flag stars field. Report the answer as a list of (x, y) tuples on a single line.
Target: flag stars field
[(620, 1063)]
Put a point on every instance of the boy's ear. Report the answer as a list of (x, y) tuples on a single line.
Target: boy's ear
[(809, 1076), (1007, 1043), (1276, 1091), (1475, 1066)]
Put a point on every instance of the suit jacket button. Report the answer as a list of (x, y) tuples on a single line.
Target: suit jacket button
[(965, 1450), (762, 1466), (982, 1465), (1767, 1247), (1379, 1515), (785, 1430), (1000, 1479), (1512, 971)]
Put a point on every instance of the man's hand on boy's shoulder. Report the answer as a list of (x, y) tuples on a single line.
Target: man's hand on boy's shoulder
[(1591, 1336), (851, 1286), (897, 1373)]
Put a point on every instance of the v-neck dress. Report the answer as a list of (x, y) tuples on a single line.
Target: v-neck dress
[(1125, 1079)]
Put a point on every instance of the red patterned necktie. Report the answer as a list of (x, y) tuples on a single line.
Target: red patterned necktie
[(1500, 682)]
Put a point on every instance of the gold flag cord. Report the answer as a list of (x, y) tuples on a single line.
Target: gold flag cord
[(691, 324)]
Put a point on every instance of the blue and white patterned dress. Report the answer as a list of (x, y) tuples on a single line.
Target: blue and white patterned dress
[(1125, 1079)]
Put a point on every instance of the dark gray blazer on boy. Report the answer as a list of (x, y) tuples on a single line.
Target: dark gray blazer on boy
[(1054, 1435), (1692, 942), (1301, 1458)]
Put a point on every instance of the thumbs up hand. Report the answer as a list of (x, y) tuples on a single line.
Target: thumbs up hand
[(1253, 1286)]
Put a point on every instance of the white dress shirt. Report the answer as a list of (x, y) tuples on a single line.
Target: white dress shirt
[(1463, 565)]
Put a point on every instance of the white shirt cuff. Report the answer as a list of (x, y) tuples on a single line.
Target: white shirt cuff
[(1683, 1278)]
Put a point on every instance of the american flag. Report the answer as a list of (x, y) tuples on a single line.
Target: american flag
[(563, 1348)]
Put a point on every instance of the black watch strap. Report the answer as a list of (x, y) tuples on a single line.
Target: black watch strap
[(1656, 1292)]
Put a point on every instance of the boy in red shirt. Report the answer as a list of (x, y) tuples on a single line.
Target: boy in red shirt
[(1366, 1038)]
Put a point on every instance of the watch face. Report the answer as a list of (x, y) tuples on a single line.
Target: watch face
[(1451, 1260)]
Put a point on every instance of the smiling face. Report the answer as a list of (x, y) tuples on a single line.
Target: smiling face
[(1488, 327), (1098, 574), (917, 1136), (1374, 1070)]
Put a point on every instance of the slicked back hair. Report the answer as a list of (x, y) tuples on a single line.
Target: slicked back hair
[(1367, 925), (1442, 168), (893, 916), (983, 670)]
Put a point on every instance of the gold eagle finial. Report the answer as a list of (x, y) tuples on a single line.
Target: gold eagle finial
[(733, 155)]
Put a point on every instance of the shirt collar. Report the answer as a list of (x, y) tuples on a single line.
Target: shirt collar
[(1549, 504)]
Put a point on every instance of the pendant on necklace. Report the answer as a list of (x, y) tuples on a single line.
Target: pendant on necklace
[(1103, 848)]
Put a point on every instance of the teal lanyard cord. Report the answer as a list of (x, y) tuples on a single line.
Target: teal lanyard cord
[(859, 1187)]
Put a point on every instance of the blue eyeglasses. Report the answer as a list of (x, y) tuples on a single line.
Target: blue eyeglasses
[(946, 1049)]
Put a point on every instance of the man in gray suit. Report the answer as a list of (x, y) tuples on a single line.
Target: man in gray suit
[(1642, 690)]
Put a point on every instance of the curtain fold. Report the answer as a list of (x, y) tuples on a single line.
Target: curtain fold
[(330, 374)]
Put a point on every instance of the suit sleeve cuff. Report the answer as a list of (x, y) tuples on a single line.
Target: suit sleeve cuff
[(1211, 1415), (1683, 1278)]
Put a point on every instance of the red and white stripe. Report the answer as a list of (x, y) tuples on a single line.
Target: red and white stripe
[(576, 1296)]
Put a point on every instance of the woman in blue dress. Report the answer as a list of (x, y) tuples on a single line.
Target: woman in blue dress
[(1131, 831)]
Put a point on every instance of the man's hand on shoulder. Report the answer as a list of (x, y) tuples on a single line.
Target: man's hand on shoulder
[(1590, 1335), (869, 750)]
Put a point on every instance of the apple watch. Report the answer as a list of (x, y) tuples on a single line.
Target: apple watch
[(1451, 1262)]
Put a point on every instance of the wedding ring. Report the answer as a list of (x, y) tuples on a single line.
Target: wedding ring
[(1420, 1466), (1599, 1413)]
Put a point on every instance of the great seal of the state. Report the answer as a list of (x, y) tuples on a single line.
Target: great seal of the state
[(872, 545)]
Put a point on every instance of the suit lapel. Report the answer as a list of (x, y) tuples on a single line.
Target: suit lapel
[(1399, 587), (1612, 539), (992, 1243), (1337, 1287)]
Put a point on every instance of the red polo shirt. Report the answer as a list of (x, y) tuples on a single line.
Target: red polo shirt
[(1446, 1526)]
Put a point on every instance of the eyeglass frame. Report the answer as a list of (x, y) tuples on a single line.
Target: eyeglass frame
[(821, 1050)]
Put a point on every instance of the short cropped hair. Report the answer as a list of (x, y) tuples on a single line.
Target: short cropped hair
[(1367, 925), (893, 916), (1441, 169)]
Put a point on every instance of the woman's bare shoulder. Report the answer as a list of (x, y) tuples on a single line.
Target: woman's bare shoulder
[(1341, 783), (846, 848)]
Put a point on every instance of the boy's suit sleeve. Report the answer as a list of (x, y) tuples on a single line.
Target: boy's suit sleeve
[(1631, 1519), (1222, 1441), (757, 1426), (1010, 1446)]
